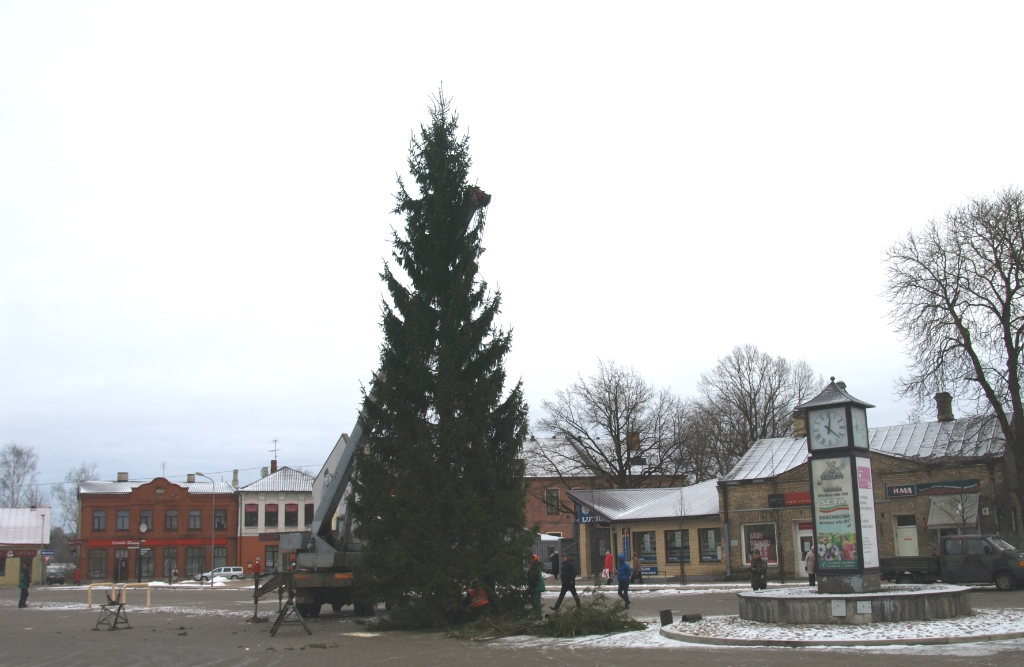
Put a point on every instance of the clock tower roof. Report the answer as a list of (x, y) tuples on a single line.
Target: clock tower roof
[(833, 394)]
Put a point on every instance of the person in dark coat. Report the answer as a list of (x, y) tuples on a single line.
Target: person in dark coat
[(625, 572), (23, 583), (535, 584), (568, 582), (758, 571), (554, 564)]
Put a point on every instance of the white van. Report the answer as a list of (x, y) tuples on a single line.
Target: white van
[(233, 572)]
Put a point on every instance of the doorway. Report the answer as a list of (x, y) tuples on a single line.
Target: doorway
[(804, 542), (906, 534)]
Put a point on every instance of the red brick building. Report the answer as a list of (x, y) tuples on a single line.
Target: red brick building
[(173, 523)]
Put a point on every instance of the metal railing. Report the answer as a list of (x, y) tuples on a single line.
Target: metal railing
[(119, 591)]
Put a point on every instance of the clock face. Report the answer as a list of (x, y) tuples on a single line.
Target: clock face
[(828, 429), (859, 422)]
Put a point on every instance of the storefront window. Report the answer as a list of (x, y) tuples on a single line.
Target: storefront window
[(145, 563), (760, 536), (309, 514), (170, 560), (270, 556), (291, 515), (97, 563), (646, 546), (710, 544), (677, 546), (252, 515), (220, 556), (195, 560)]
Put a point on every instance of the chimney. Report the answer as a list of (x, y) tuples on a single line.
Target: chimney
[(799, 424), (633, 440), (191, 478), (234, 478), (944, 407), (122, 477), (273, 466), (263, 472)]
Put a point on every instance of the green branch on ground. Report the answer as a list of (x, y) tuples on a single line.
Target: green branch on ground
[(594, 617)]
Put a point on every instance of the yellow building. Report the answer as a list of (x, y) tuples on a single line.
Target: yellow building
[(24, 532)]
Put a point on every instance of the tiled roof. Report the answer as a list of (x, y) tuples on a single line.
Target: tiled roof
[(24, 525), (972, 437), (127, 487), (629, 504), (284, 480)]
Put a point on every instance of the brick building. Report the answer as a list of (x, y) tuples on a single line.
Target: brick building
[(677, 532), (929, 479), (134, 530), (281, 502)]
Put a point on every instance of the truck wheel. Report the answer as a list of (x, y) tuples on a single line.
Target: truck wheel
[(1004, 581), (308, 610), (335, 607), (365, 608)]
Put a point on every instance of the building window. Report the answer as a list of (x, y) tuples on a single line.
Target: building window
[(3, 565), (252, 516), (123, 517), (309, 514), (551, 503), (99, 522), (291, 515), (120, 564), (170, 560), (647, 546), (195, 561), (270, 557), (171, 520), (677, 546), (146, 519), (144, 564), (97, 563), (710, 544), (195, 519), (220, 519), (760, 536), (270, 516), (220, 556)]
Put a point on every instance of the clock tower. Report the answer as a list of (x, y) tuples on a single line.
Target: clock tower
[(842, 492)]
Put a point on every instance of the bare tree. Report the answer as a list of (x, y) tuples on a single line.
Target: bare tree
[(749, 395), (67, 497), (617, 428), (955, 289), (18, 475)]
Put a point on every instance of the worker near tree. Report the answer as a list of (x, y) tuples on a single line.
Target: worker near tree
[(554, 564), (478, 602), (758, 571), (23, 583), (568, 582), (535, 584)]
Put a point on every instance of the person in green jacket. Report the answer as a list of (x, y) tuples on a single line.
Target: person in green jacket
[(23, 583), (758, 571), (535, 584)]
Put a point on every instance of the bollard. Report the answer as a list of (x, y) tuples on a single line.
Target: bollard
[(666, 617)]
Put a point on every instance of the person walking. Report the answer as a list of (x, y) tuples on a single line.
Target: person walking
[(638, 574), (554, 563), (535, 584), (78, 577), (23, 583), (810, 563), (758, 571), (568, 582), (609, 563), (625, 571), (257, 572)]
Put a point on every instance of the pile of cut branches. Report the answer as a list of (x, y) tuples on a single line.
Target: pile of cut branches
[(594, 617)]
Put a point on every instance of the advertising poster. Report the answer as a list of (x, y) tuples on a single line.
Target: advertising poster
[(832, 488), (761, 536), (866, 494)]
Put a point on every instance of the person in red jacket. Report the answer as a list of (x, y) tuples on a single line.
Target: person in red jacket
[(609, 564)]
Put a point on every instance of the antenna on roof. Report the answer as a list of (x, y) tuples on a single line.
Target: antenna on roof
[(275, 448)]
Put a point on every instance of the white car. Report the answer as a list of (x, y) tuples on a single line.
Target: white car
[(233, 572)]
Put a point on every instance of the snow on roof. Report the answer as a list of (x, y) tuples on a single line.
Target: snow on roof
[(972, 437), (629, 504), (128, 487), (284, 480), (25, 525)]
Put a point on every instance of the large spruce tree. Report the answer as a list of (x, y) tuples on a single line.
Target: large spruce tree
[(440, 495)]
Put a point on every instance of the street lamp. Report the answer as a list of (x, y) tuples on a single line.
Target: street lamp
[(42, 541), (213, 521)]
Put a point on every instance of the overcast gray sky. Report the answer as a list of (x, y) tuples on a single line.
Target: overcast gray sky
[(195, 197)]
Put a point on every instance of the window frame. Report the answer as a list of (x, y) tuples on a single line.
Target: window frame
[(293, 515), (683, 547), (126, 515), (267, 514), (146, 519), (195, 519), (220, 519), (99, 517), (251, 515), (95, 556), (195, 556), (637, 541), (309, 512), (709, 556), (552, 501), (773, 541), (170, 560), (170, 519)]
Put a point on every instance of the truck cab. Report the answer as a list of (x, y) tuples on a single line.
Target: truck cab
[(977, 559)]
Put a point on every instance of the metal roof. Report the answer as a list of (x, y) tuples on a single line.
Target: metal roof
[(25, 525), (833, 394), (633, 504), (284, 480), (128, 487), (969, 438)]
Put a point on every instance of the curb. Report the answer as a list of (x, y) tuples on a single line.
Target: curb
[(799, 643)]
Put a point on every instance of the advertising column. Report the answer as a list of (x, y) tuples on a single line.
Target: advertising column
[(833, 514)]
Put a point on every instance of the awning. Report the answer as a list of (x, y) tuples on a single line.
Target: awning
[(955, 511)]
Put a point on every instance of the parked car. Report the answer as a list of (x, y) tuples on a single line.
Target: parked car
[(231, 572), (54, 578), (963, 559)]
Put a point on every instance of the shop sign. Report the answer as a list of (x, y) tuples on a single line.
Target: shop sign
[(776, 500), (587, 516), (949, 488), (866, 495), (798, 499), (22, 553), (649, 570), (832, 483), (901, 491)]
